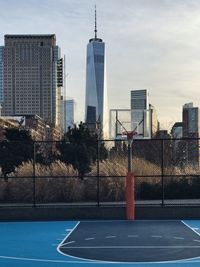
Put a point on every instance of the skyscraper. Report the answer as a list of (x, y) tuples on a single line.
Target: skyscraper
[(96, 107), (191, 129), (191, 121), (32, 76), (1, 76), (154, 123), (63, 98), (69, 106), (140, 113), (140, 99)]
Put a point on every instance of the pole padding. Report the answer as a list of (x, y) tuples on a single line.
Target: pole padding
[(130, 200)]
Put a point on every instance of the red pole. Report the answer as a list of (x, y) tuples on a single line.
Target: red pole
[(130, 200)]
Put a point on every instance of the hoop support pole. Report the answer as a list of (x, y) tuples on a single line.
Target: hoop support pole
[(130, 200)]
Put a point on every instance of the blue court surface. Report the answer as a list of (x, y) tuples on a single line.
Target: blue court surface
[(96, 243)]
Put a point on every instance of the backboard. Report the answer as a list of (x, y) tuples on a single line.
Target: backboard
[(139, 121)]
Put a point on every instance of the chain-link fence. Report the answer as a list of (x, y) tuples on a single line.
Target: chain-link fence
[(61, 173)]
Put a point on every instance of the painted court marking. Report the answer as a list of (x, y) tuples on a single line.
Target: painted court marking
[(125, 247), (96, 262), (133, 235), (128, 246), (73, 260), (70, 242), (178, 238), (193, 229)]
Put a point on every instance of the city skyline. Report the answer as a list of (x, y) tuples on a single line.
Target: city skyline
[(150, 44)]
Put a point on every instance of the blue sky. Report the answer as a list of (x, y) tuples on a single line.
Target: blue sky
[(153, 44)]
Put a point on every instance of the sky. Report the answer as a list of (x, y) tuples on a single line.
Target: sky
[(150, 44)]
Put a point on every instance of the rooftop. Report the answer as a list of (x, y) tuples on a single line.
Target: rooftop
[(29, 35)]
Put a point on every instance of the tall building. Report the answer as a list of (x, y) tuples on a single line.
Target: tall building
[(191, 121), (140, 99), (32, 76), (177, 130), (154, 123), (178, 143), (69, 106), (1, 76), (140, 113), (63, 98), (191, 129), (96, 106)]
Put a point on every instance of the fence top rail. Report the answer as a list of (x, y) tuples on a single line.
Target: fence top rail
[(102, 176), (104, 140), (151, 139)]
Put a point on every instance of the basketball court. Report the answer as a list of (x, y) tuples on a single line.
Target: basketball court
[(94, 243)]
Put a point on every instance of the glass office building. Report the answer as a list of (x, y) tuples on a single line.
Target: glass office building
[(96, 108), (69, 107)]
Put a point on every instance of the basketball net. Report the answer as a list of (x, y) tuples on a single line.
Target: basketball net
[(129, 135)]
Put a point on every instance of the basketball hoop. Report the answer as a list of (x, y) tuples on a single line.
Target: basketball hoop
[(129, 134)]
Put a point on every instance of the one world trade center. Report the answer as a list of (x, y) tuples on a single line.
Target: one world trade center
[(96, 88)]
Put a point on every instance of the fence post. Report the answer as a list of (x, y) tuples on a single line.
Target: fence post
[(34, 160), (162, 171), (98, 182)]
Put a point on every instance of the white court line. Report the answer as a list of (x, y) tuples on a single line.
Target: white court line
[(183, 261), (179, 238), (41, 260), (62, 242), (193, 229), (125, 247), (111, 236), (70, 242), (66, 236), (196, 240)]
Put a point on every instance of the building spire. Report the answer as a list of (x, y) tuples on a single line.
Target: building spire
[(95, 39), (95, 24)]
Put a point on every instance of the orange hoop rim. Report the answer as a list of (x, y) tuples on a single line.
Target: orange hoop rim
[(129, 134)]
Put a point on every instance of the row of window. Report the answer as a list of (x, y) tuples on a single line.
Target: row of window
[(97, 59)]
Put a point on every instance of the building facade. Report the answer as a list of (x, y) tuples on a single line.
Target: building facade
[(69, 110), (96, 106), (154, 124), (1, 76), (177, 143), (32, 76), (140, 113), (191, 131), (177, 130), (191, 121), (63, 98)]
